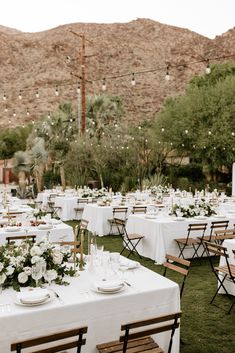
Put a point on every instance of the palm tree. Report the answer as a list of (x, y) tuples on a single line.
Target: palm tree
[(38, 156), (21, 167)]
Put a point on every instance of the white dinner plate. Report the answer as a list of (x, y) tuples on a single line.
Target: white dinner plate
[(45, 226), (150, 216), (12, 229), (109, 290), (47, 299), (179, 219)]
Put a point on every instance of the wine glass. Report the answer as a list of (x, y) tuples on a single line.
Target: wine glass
[(37, 272)]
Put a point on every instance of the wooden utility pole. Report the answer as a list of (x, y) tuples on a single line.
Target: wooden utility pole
[(83, 86), (83, 81)]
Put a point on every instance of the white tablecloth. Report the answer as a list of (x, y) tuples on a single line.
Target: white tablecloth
[(67, 206), (159, 234), (98, 216), (149, 295), (59, 231)]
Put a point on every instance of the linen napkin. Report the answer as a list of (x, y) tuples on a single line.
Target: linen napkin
[(109, 285), (33, 297)]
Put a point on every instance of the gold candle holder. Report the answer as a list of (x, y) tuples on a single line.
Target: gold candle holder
[(81, 264)]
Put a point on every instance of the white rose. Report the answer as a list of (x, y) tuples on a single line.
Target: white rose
[(50, 275), (57, 257), (13, 261), (1, 266), (35, 259), (27, 270), (19, 260), (35, 250), (9, 270), (2, 278), (22, 277)]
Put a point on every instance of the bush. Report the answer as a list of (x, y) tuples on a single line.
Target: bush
[(50, 179)]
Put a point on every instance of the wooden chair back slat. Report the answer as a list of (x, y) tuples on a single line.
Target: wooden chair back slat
[(18, 346)]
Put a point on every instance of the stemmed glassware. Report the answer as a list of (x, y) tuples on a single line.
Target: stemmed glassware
[(37, 272)]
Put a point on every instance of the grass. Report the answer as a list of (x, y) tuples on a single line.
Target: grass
[(205, 327)]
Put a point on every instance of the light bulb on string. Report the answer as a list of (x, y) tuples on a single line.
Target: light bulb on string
[(33, 122), (4, 96), (14, 113), (208, 68), (57, 91), (6, 109), (27, 111), (37, 93), (20, 94), (104, 85), (78, 88), (133, 79), (49, 115), (167, 76)]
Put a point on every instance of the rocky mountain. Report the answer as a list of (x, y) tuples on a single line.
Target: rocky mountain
[(39, 71)]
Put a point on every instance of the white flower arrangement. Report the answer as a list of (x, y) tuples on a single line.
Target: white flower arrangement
[(159, 190), (18, 262), (201, 208)]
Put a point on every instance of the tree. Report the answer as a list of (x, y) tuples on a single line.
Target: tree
[(21, 167), (38, 159), (103, 113), (201, 122)]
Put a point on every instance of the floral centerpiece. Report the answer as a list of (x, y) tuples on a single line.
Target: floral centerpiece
[(18, 264), (38, 213), (159, 190), (201, 208)]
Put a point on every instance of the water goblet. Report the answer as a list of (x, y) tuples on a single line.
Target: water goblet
[(37, 272)]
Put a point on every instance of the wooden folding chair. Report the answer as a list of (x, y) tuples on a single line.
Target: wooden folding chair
[(178, 265), (215, 225), (141, 340), (53, 209), (222, 273), (188, 241), (118, 213), (42, 342), (139, 209), (11, 239), (221, 235), (80, 206), (130, 241)]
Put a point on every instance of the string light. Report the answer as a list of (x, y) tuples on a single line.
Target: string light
[(27, 111), (133, 79), (4, 96), (49, 115), (104, 85), (20, 94), (208, 68), (37, 93), (78, 88), (167, 76), (56, 91), (6, 109), (14, 113)]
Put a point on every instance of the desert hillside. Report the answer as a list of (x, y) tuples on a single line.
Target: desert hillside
[(47, 64)]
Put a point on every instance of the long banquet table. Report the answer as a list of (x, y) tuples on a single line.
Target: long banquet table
[(149, 295), (160, 232), (98, 216), (55, 232)]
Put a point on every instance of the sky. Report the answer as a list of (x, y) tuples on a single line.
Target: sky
[(206, 17)]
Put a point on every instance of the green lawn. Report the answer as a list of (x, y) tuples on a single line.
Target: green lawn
[(205, 328)]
